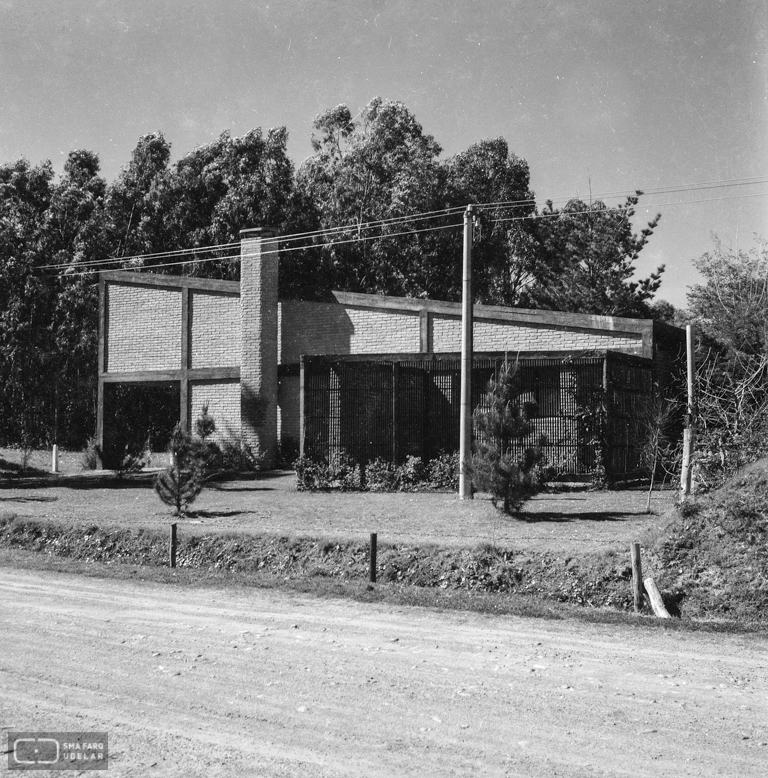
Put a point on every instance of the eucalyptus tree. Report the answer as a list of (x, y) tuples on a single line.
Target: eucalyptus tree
[(586, 260)]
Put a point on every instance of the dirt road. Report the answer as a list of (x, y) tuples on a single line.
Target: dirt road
[(195, 681)]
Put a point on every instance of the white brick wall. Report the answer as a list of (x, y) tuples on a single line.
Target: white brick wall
[(215, 330), (328, 328), (144, 328), (493, 336), (223, 398)]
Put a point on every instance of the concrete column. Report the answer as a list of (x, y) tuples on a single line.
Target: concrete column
[(258, 322)]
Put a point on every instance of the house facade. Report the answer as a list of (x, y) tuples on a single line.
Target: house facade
[(239, 349)]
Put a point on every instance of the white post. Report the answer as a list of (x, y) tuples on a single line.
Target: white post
[(55, 459), (686, 479), (465, 422)]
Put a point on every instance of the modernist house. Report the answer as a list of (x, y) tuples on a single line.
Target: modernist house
[(372, 374)]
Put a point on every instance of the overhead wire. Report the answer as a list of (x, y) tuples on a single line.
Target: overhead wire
[(394, 221), (273, 251)]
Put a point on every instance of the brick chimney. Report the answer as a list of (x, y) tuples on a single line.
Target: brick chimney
[(258, 359)]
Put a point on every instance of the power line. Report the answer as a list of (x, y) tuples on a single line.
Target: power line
[(275, 251), (668, 189), (394, 221), (623, 208), (131, 257)]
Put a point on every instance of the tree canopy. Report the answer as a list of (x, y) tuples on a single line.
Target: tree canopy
[(730, 313), (585, 260), (379, 208)]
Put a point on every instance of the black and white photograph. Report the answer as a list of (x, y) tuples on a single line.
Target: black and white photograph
[(384, 388)]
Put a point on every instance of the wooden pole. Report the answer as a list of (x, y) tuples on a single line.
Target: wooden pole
[(686, 480), (657, 602), (172, 545), (465, 417), (55, 459), (372, 576), (637, 577)]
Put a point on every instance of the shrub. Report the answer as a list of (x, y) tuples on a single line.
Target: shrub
[(231, 455), (503, 418), (410, 475), (287, 453), (443, 472), (180, 483), (381, 476), (89, 459), (341, 472), (127, 457)]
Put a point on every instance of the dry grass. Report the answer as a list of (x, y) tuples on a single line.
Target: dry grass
[(567, 521)]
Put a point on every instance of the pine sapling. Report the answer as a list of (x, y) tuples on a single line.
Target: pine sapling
[(502, 418), (180, 483)]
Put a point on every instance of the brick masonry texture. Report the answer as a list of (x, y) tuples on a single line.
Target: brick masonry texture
[(215, 332), (144, 329), (259, 354), (327, 328), (223, 398), (492, 336)]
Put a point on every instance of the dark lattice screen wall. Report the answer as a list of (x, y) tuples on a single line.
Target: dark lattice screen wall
[(395, 407)]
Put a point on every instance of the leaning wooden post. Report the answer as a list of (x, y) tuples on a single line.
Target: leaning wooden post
[(372, 576), (172, 545), (637, 577), (657, 601)]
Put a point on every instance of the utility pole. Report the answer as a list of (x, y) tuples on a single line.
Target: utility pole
[(465, 429), (686, 472)]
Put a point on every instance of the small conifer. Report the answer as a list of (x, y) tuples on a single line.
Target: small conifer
[(180, 483), (503, 417)]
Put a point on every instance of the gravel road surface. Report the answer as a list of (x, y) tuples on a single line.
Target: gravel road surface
[(210, 682)]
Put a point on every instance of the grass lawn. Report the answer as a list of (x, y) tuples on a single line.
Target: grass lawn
[(564, 521)]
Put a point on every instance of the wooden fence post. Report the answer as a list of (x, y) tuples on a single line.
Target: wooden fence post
[(172, 545), (373, 558), (657, 601), (637, 577)]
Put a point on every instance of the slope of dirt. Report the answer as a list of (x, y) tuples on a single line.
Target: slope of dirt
[(591, 579), (206, 682), (713, 553)]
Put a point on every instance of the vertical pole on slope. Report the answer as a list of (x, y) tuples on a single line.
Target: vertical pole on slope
[(372, 575), (686, 479), (55, 459), (172, 545), (465, 419), (637, 577)]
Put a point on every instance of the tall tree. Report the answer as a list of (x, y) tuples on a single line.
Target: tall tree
[(586, 260), (487, 173), (730, 311), (135, 201), (47, 314), (25, 194), (225, 186), (378, 168)]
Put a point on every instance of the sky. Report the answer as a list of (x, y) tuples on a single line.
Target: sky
[(599, 97)]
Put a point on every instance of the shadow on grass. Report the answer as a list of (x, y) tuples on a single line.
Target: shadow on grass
[(12, 469), (563, 518), (222, 488), (215, 514), (100, 480), (31, 498)]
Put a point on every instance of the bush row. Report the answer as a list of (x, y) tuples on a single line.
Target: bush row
[(345, 474)]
